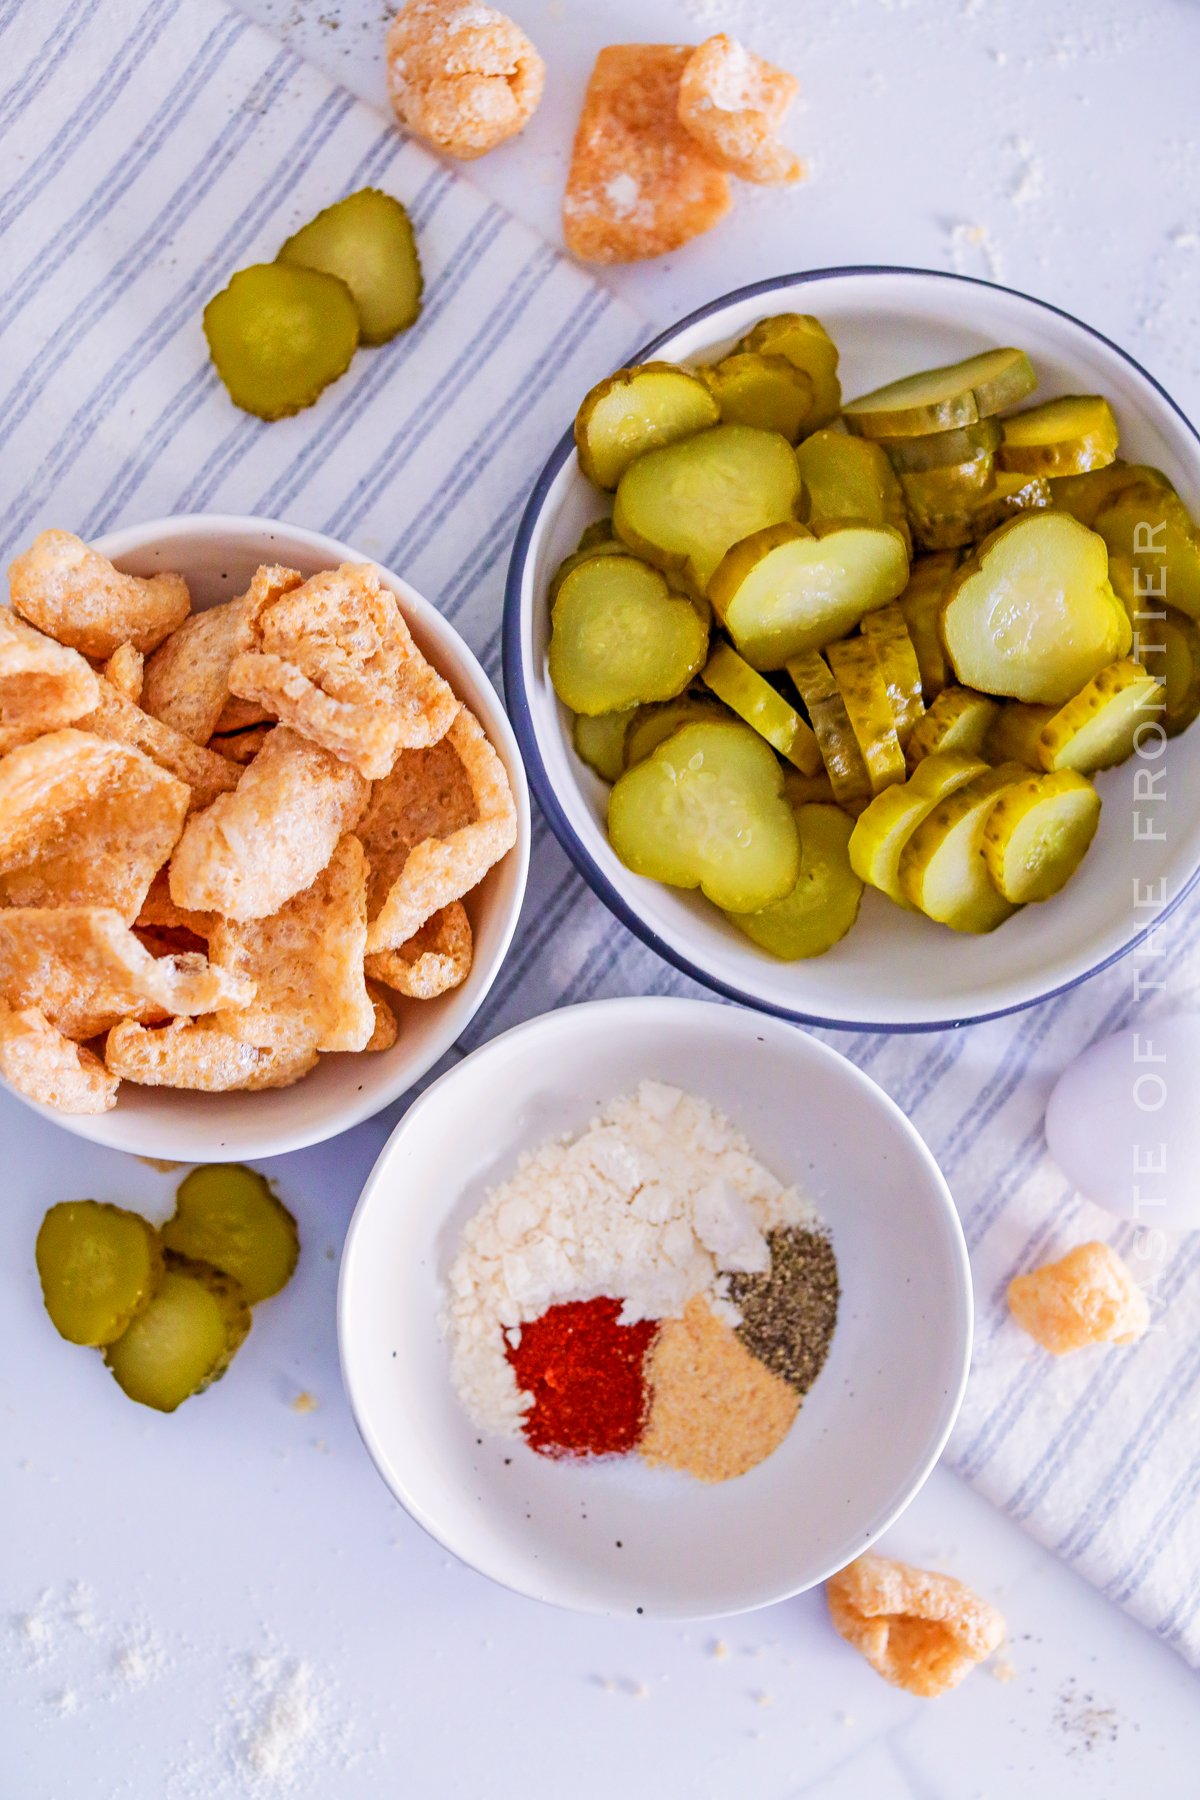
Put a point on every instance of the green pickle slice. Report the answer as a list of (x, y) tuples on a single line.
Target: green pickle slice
[(884, 827), (635, 411), (184, 1339), (1038, 833), (945, 398), (807, 345), (226, 1215), (1098, 727), (1068, 436), (957, 720), (942, 869), (1086, 496), (921, 603), (845, 765), (1151, 526), (367, 241), (860, 678), (99, 1266), (650, 726), (888, 634), (619, 636), (847, 478), (940, 449), (823, 905), (768, 391), (751, 696), (600, 741), (278, 335)]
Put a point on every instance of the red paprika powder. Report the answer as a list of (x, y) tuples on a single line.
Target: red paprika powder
[(584, 1370)]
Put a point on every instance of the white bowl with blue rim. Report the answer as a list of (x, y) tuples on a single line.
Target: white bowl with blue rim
[(895, 971)]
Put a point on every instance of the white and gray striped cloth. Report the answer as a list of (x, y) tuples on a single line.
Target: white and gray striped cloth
[(150, 147)]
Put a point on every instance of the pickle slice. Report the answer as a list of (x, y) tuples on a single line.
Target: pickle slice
[(887, 633), (650, 726), (367, 241), (1169, 646), (599, 532), (945, 398), (1015, 733), (618, 636), (1038, 833), (1068, 436), (957, 720), (752, 698), (99, 1266), (706, 810), (609, 547), (682, 507), (807, 346), (942, 869), (768, 391), (1032, 614), (933, 493), (808, 790), (184, 1339), (600, 741), (1084, 496), (788, 589), (885, 826), (1152, 527), (823, 905), (840, 752), (855, 667), (941, 449), (279, 335), (921, 603), (975, 515), (635, 411), (227, 1215), (848, 478), (1098, 726)]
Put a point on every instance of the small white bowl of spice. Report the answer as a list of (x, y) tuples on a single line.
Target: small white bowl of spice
[(655, 1307)]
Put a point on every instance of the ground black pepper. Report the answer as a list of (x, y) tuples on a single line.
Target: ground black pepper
[(788, 1314)]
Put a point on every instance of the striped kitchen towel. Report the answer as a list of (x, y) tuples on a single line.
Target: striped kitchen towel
[(150, 147)]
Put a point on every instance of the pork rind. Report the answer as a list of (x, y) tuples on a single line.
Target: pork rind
[(48, 1068), (435, 959), (187, 678), (335, 660), (639, 184), (84, 822), (1087, 1297), (84, 969), (387, 1026), (196, 1054), (251, 850), (125, 670), (205, 773), (42, 684), (461, 75), (241, 747), (433, 829), (160, 913), (733, 104), (920, 1630), (75, 595), (305, 964), (239, 715)]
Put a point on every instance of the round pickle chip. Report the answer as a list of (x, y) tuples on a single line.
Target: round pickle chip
[(823, 905), (99, 1266), (767, 391), (367, 241), (637, 410), (619, 636), (226, 1215), (184, 1339), (279, 335)]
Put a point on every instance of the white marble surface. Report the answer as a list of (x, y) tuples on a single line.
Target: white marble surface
[(150, 1560)]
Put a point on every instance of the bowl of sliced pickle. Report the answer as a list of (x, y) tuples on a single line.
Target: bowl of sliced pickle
[(852, 638)]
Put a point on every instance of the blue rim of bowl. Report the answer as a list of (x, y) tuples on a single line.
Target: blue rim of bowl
[(522, 718)]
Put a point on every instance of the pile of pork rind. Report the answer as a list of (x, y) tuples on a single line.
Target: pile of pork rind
[(229, 839)]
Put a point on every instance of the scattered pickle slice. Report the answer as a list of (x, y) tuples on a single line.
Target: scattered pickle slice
[(856, 669), (1085, 496), (940, 449), (945, 398), (787, 588), (1098, 726), (650, 726), (279, 335), (367, 241), (227, 1215), (884, 827), (619, 636), (844, 762), (887, 633), (848, 478), (1152, 527), (807, 346), (682, 507), (184, 1339), (823, 905), (957, 720), (751, 696), (1032, 614), (99, 1266), (921, 603), (707, 810), (768, 391), (1038, 833), (1069, 436), (600, 741), (637, 410), (1014, 733), (942, 869)]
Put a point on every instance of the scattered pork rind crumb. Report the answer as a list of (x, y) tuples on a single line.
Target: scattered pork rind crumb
[(42, 684), (1087, 1297), (47, 1067), (920, 1630), (639, 184), (733, 104), (187, 678), (461, 75), (125, 669), (205, 773), (75, 595), (435, 959), (197, 1054)]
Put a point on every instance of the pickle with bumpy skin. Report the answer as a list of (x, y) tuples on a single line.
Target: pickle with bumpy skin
[(1152, 527), (921, 602), (941, 449), (635, 411), (856, 669), (942, 870), (844, 762), (945, 398), (848, 478), (1068, 436), (279, 335), (888, 634), (751, 696), (957, 720), (1015, 733), (1098, 727), (650, 726), (600, 741), (1084, 496), (807, 345), (1168, 643), (707, 810), (767, 391), (227, 1215), (1038, 833), (973, 516), (184, 1339), (933, 492), (99, 1266), (619, 636), (885, 826), (367, 241), (823, 905)]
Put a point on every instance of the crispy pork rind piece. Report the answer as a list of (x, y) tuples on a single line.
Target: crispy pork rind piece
[(920, 1630), (639, 184), (160, 913), (125, 670), (387, 1026), (433, 829), (1087, 1297), (73, 594), (42, 684), (84, 968), (205, 773), (84, 822), (241, 747), (435, 959), (47, 1067), (196, 1054), (252, 850), (305, 964), (335, 660), (461, 75), (733, 104), (239, 715), (187, 678)]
